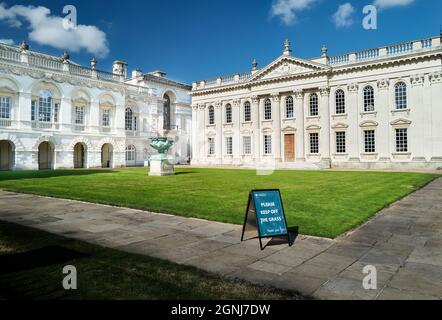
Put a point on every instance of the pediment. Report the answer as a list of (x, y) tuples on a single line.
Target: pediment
[(288, 129), (369, 123), (340, 126), (288, 66), (400, 122)]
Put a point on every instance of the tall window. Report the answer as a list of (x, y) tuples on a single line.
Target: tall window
[(401, 140), (314, 143), (247, 112), (268, 110), (400, 90), (79, 115), (228, 113), (340, 102), (289, 110), (56, 112), (340, 142), (166, 112), (211, 146), (267, 144), (45, 107), (129, 119), (106, 118), (33, 110), (369, 141), (247, 145), (314, 105), (211, 115), (368, 99), (5, 108), (130, 153), (229, 145)]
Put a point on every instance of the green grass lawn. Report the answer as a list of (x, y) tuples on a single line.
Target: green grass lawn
[(31, 264), (320, 203)]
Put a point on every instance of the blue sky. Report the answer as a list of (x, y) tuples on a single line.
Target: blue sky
[(198, 39)]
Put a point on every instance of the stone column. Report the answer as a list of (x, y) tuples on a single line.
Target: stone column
[(119, 120), (382, 106), (436, 114), (352, 135), (194, 134), (202, 132), (300, 125), (219, 131), (417, 132), (255, 106), (324, 143), (236, 120), (65, 116), (276, 117), (94, 122), (23, 112)]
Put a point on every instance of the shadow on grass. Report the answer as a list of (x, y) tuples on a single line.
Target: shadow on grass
[(47, 256), (43, 174)]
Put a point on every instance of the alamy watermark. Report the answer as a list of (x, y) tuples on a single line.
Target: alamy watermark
[(370, 281), (70, 280), (70, 20)]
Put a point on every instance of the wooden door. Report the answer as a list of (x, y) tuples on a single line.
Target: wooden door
[(289, 147)]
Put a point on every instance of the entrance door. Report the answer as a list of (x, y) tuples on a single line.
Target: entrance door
[(45, 156), (289, 147), (106, 156), (79, 156), (6, 155)]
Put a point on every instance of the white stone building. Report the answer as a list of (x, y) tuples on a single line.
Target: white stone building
[(57, 114), (379, 108)]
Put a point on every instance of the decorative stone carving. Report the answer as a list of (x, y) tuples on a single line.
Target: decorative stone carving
[(218, 104), (299, 94), (383, 84), (236, 103), (324, 91), (276, 97), (436, 77), (353, 87), (255, 99), (418, 80)]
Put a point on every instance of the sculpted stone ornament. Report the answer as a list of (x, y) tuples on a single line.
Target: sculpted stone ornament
[(160, 164)]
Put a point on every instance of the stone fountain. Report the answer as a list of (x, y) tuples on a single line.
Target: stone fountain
[(160, 164)]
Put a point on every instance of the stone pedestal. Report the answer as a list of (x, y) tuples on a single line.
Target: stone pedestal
[(161, 166)]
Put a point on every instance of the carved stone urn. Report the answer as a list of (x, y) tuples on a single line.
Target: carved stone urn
[(161, 164)]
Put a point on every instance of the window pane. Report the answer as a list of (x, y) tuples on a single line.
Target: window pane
[(401, 140), (79, 115), (289, 110), (314, 109), (45, 108), (340, 142), (247, 112), (370, 142), (247, 145), (130, 153), (401, 95), (369, 99), (229, 149), (5, 108), (129, 119), (228, 113), (211, 116), (268, 144), (314, 143), (340, 102), (268, 110), (106, 118), (211, 146)]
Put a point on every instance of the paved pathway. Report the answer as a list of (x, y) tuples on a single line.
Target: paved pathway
[(404, 242)]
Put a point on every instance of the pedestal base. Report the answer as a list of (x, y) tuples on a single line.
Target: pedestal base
[(161, 168)]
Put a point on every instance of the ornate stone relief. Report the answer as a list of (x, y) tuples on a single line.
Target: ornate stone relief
[(353, 87), (418, 80), (383, 84), (436, 77), (325, 91)]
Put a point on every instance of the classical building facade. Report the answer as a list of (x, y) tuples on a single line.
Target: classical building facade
[(379, 108), (57, 114)]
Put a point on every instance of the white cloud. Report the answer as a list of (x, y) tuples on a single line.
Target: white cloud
[(287, 9), (47, 29), (385, 4), (343, 17), (7, 41)]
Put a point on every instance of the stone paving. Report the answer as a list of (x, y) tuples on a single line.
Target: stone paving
[(404, 243)]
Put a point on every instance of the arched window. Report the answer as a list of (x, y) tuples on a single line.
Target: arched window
[(5, 108), (368, 99), (340, 101), (45, 106), (129, 119), (314, 105), (130, 153), (166, 113), (211, 115), (268, 110), (247, 112), (400, 90), (289, 110), (228, 113)]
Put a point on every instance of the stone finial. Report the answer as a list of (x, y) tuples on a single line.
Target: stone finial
[(324, 51), (24, 46), (94, 63), (287, 49), (254, 65), (65, 56)]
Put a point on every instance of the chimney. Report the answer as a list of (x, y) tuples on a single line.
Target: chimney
[(158, 73), (119, 68)]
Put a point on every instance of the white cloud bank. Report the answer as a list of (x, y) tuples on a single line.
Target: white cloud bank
[(7, 41), (47, 29), (344, 16), (386, 4), (287, 9)]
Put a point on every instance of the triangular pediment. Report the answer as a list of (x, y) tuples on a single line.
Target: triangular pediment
[(288, 66), (400, 122)]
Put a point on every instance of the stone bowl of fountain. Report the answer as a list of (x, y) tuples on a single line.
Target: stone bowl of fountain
[(161, 164)]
